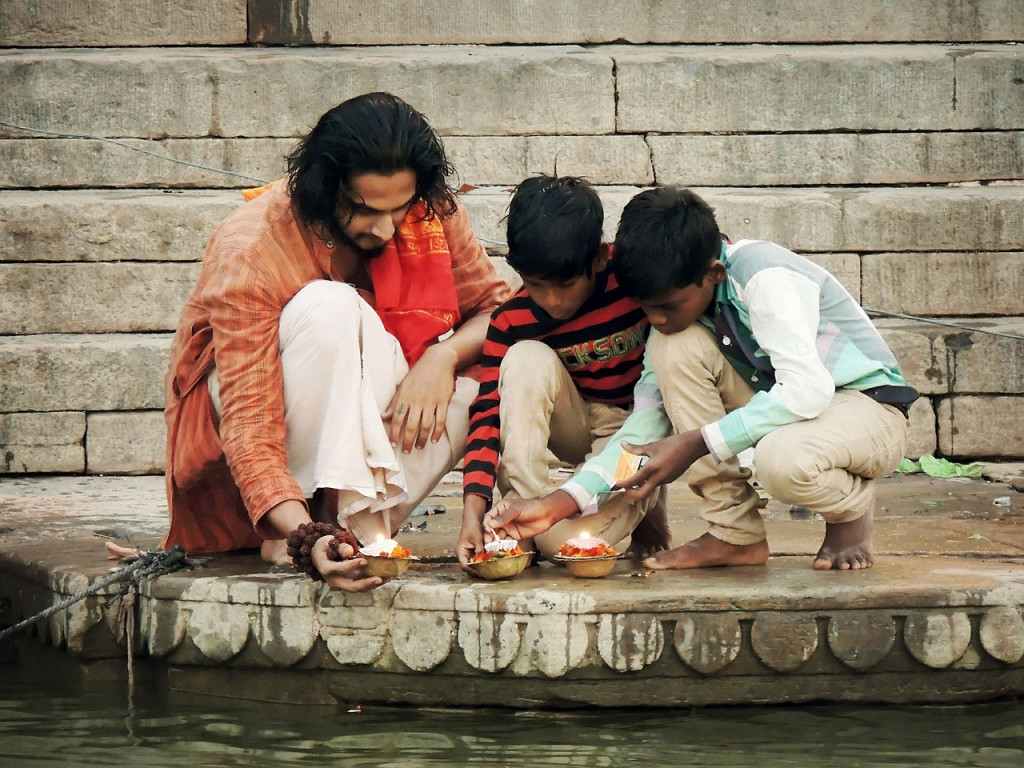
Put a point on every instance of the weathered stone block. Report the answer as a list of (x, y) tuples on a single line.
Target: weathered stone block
[(935, 219), (166, 92), (937, 284), (973, 425), (42, 442), (806, 88), (93, 298), (845, 267), (510, 159), (126, 443), (441, 22), (804, 220), (84, 372), (98, 225), (837, 158), (923, 437), (938, 359), (988, 87), (138, 163), (114, 22)]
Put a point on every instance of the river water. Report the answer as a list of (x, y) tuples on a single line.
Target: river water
[(46, 726)]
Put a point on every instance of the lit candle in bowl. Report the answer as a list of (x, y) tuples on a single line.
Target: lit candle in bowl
[(586, 541), (587, 556), (380, 548), (386, 558)]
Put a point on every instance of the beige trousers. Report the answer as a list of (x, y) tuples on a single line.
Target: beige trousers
[(341, 369), (826, 464), (541, 411)]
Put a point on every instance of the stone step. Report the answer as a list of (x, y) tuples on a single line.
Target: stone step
[(440, 22), (503, 90), (228, 92), (76, 402), (147, 225), (755, 160), (139, 251)]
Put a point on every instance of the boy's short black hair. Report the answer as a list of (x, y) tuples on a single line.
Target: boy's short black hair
[(667, 238), (554, 227)]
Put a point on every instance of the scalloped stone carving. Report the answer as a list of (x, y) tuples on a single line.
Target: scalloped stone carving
[(218, 630), (354, 647), (422, 639), (708, 642), (629, 642), (1002, 633), (162, 622), (784, 641), (285, 635), (553, 644), (937, 639), (861, 639), (489, 641)]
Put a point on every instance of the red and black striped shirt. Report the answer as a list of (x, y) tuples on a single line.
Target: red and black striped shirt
[(602, 347)]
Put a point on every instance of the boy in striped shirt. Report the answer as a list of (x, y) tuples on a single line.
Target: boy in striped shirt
[(751, 345), (559, 364)]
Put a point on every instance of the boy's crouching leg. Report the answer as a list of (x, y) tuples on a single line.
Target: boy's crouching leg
[(652, 534), (847, 546)]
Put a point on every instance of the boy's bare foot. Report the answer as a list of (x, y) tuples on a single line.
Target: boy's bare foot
[(847, 546), (707, 551), (651, 534)]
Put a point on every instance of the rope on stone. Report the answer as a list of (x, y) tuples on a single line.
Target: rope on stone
[(148, 565)]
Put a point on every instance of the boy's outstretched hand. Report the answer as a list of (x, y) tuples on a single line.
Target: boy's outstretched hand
[(668, 459), (521, 519), (471, 536)]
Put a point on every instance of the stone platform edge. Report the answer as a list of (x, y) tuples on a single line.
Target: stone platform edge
[(666, 639)]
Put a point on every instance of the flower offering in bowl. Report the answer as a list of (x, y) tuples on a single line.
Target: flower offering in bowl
[(501, 559), (587, 557), (385, 558)]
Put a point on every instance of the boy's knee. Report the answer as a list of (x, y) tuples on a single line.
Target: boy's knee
[(780, 470), (694, 342), (528, 364)]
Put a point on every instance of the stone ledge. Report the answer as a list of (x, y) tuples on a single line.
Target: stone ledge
[(116, 22), (145, 225), (225, 92), (439, 22), (745, 89), (927, 621)]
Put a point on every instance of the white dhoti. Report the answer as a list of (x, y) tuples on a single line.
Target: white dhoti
[(341, 369)]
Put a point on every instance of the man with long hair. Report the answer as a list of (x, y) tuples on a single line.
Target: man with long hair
[(321, 355)]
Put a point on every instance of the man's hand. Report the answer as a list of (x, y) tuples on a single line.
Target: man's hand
[(668, 459), (346, 575), (419, 409), (521, 519), (471, 537)]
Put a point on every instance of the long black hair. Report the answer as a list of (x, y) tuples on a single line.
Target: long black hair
[(371, 133)]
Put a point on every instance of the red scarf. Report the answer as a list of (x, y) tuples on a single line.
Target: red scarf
[(413, 284)]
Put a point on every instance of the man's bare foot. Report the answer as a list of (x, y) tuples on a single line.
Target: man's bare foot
[(707, 551), (652, 534), (847, 546), (275, 551)]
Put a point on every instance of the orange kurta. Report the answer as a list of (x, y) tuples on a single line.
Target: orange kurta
[(221, 479)]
